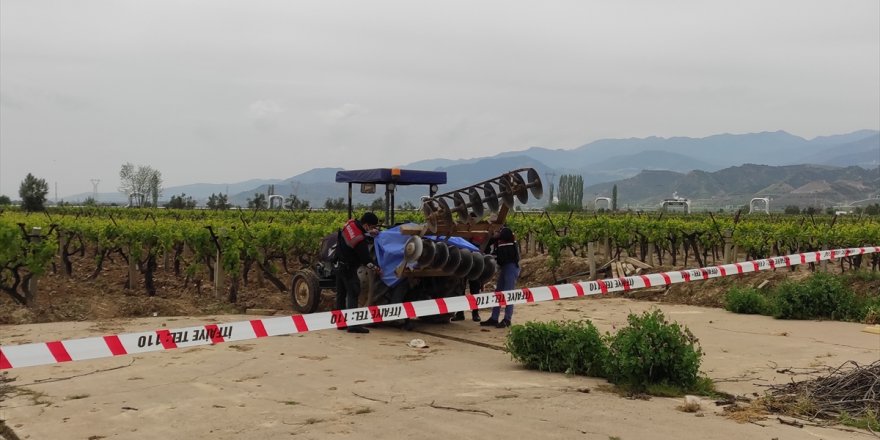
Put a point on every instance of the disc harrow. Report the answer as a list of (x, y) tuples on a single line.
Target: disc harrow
[(466, 205)]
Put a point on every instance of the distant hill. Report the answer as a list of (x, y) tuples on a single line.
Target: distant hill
[(459, 175), (610, 160), (792, 184), (721, 151), (316, 175), (693, 166), (863, 152), (653, 160)]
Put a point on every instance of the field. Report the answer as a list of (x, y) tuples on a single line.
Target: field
[(337, 385)]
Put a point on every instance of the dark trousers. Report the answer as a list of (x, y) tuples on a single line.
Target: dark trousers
[(348, 288)]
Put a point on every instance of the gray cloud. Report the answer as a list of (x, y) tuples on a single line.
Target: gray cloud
[(239, 90)]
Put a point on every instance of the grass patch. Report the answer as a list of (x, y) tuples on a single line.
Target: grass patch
[(746, 300), (869, 422), (571, 347), (652, 351), (862, 275), (650, 355), (820, 296)]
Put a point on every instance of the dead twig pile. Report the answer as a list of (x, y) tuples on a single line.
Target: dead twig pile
[(850, 390)]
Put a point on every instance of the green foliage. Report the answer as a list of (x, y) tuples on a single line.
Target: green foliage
[(572, 347), (614, 198), (5, 200), (571, 191), (746, 300), (182, 201), (649, 355), (651, 351), (378, 205), (140, 184), (334, 204), (870, 421), (258, 202), (218, 202), (33, 193), (872, 313), (820, 296), (407, 206), (792, 209), (293, 202), (861, 275)]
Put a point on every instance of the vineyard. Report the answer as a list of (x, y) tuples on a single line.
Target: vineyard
[(234, 247)]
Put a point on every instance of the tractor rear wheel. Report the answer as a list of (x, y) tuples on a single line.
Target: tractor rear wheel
[(305, 291)]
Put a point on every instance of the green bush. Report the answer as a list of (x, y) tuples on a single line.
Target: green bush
[(861, 275), (819, 296), (869, 311), (573, 347), (651, 351), (746, 300)]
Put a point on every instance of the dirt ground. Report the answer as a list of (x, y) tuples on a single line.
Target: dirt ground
[(78, 298), (332, 384)]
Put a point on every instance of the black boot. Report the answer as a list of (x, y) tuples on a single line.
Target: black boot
[(475, 315), (458, 316)]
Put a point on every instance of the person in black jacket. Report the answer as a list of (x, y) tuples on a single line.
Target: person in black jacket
[(353, 252), (506, 252)]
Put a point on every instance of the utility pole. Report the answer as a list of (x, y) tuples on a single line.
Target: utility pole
[(95, 183)]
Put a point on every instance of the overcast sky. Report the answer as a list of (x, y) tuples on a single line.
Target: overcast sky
[(223, 91)]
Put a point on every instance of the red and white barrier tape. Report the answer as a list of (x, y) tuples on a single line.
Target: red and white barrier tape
[(44, 353)]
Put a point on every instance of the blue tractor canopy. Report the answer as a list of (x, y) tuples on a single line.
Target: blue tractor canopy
[(390, 177)]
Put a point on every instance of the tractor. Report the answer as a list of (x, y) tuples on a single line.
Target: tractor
[(429, 260)]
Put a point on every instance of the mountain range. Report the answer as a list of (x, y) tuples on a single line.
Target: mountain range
[(720, 169)]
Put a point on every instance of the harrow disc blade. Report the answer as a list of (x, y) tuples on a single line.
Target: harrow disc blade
[(412, 249), (453, 261), (491, 198), (441, 255), (444, 215), (427, 253), (477, 268), (489, 268), (505, 192), (534, 184), (460, 208), (519, 187), (429, 210), (467, 261), (476, 203)]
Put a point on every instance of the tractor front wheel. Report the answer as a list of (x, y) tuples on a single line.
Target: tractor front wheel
[(305, 291)]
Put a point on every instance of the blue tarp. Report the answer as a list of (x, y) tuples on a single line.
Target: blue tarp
[(389, 251), (384, 175)]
